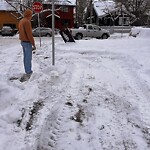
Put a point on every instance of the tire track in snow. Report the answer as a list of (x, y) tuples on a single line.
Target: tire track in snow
[(52, 127)]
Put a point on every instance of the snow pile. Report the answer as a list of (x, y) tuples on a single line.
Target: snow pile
[(140, 32)]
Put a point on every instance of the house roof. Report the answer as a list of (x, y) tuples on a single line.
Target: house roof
[(5, 6), (103, 7), (61, 2)]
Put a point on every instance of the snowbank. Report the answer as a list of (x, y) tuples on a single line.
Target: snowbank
[(140, 32)]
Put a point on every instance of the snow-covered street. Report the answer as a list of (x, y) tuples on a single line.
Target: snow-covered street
[(96, 97)]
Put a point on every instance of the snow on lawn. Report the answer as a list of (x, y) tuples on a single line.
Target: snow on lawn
[(96, 97)]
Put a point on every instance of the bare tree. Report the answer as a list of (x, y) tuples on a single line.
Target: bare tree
[(80, 8), (19, 6), (136, 7)]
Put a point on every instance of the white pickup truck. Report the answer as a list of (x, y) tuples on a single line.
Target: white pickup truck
[(90, 30)]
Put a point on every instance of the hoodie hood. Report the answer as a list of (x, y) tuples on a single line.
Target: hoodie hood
[(27, 13)]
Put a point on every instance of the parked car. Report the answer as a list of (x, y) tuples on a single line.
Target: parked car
[(7, 31), (90, 30), (42, 31)]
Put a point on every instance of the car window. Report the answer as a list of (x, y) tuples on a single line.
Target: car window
[(38, 30), (96, 28), (6, 27), (90, 27), (84, 26), (44, 30)]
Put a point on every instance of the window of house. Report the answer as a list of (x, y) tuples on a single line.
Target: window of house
[(124, 21), (105, 21), (64, 9), (65, 22)]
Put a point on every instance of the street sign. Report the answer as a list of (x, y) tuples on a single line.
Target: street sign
[(37, 7)]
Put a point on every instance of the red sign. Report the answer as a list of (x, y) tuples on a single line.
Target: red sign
[(37, 7)]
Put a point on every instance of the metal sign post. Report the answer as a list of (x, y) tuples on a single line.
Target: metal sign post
[(37, 8), (39, 28), (53, 34)]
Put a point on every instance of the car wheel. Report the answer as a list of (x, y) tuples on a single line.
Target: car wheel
[(48, 35), (79, 36), (105, 36)]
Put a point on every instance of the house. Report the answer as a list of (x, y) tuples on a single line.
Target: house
[(108, 13), (64, 14), (8, 15)]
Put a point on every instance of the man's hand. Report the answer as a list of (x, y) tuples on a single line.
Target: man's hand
[(33, 48)]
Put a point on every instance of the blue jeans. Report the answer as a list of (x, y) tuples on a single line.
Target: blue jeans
[(27, 52)]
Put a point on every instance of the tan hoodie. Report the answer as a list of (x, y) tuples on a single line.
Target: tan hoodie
[(25, 28)]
